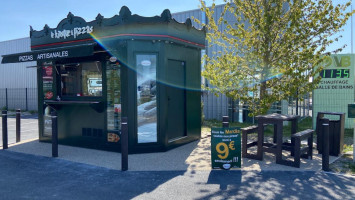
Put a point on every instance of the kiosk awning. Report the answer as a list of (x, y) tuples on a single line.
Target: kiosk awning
[(51, 54)]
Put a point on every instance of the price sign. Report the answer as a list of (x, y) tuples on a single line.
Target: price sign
[(225, 148)]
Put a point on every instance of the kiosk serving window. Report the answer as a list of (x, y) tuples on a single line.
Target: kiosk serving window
[(82, 79), (146, 98)]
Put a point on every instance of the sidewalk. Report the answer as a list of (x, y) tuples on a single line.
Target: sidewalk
[(25, 176), (195, 156), (181, 173)]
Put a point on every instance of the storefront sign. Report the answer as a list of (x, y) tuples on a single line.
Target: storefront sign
[(75, 32), (225, 148), (336, 73), (60, 53), (336, 88)]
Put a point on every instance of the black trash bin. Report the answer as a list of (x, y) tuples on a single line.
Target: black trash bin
[(336, 133)]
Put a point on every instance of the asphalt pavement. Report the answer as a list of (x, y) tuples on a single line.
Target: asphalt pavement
[(25, 176), (28, 172)]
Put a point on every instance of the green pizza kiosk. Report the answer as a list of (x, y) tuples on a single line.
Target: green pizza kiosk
[(147, 69)]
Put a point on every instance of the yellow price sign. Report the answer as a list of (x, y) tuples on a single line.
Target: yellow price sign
[(223, 148)]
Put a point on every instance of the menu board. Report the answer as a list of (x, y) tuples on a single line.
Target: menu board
[(47, 75), (113, 98)]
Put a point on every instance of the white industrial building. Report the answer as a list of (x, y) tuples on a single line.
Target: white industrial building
[(18, 81)]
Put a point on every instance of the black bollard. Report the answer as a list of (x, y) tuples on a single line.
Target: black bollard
[(54, 134), (325, 154), (4, 129), (18, 125), (225, 122), (124, 144)]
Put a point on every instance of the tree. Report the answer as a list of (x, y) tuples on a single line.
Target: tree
[(271, 49)]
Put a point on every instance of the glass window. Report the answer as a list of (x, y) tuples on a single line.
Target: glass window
[(82, 79), (146, 98)]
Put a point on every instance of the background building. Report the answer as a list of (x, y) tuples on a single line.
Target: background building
[(18, 81)]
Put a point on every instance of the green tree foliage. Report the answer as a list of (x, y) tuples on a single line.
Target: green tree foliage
[(271, 48)]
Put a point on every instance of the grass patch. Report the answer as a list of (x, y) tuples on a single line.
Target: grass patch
[(32, 112), (347, 148)]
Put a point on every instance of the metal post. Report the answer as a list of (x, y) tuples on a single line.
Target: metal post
[(325, 153), (297, 103), (54, 134), (225, 122), (18, 125), (233, 109), (124, 144), (26, 100), (354, 143), (7, 103), (4, 129)]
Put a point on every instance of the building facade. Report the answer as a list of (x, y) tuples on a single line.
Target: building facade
[(18, 81)]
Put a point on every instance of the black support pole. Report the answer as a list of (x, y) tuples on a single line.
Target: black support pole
[(26, 100), (7, 103), (325, 154), (4, 129), (124, 144), (54, 134), (18, 125), (225, 122)]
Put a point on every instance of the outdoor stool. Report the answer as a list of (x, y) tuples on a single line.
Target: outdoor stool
[(304, 152), (245, 144)]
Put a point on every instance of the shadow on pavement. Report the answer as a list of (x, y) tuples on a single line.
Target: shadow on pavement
[(280, 185), (37, 177)]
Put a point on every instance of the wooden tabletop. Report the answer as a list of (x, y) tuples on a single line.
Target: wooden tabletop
[(277, 117)]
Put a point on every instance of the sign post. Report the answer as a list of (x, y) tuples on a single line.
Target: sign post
[(225, 148)]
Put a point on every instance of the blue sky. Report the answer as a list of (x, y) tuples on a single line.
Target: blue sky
[(17, 15)]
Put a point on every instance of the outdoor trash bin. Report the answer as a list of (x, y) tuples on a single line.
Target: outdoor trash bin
[(336, 133)]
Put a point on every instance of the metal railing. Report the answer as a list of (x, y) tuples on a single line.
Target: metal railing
[(19, 98)]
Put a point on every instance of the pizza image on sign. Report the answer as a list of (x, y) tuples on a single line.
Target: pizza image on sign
[(113, 137), (48, 95)]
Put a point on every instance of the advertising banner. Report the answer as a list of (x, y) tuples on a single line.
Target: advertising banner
[(225, 148)]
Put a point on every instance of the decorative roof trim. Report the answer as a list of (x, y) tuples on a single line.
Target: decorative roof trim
[(120, 35), (125, 17)]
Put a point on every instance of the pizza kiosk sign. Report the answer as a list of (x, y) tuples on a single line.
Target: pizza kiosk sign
[(75, 32)]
